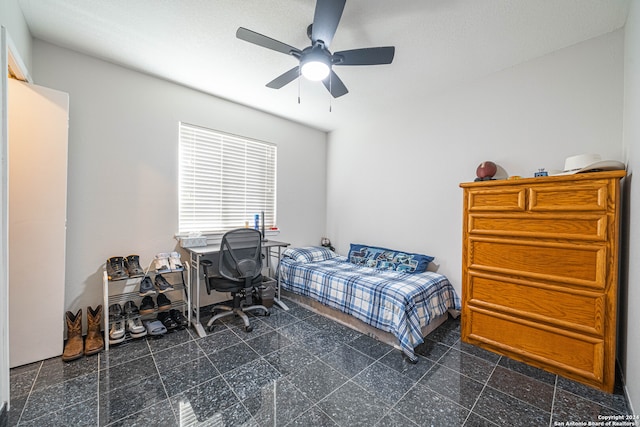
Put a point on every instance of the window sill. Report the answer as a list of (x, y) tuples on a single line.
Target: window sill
[(211, 239)]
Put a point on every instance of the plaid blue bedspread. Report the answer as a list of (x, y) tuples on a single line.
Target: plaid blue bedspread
[(394, 302)]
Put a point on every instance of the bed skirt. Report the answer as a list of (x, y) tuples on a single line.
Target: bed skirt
[(359, 325)]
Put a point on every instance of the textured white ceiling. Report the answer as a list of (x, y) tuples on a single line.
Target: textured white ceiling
[(439, 43)]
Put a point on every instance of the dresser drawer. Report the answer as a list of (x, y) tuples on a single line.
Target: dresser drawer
[(579, 311), (581, 356), (512, 199), (583, 265), (591, 197), (572, 227)]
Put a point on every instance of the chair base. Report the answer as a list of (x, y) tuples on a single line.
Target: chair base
[(238, 311)]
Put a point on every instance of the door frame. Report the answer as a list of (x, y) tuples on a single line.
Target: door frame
[(10, 62)]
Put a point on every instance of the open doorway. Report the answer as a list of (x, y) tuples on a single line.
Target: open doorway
[(33, 173)]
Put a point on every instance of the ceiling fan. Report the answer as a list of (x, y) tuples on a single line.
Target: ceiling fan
[(316, 61)]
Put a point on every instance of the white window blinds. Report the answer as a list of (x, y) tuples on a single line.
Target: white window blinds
[(225, 180)]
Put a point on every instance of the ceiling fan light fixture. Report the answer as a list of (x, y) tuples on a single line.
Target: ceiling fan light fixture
[(315, 70), (315, 64)]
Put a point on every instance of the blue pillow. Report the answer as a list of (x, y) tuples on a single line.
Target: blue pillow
[(309, 254), (388, 259)]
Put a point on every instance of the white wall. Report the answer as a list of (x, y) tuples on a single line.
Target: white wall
[(12, 19), (123, 169), (393, 180), (629, 341)]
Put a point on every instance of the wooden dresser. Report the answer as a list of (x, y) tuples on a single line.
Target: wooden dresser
[(540, 272)]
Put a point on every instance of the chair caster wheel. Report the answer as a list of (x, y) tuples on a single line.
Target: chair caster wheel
[(210, 328), (248, 328), (267, 314)]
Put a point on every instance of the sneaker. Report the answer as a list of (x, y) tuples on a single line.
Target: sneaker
[(174, 262), (132, 263), (115, 268), (162, 284), (130, 309), (161, 262), (167, 321), (117, 331), (163, 302), (115, 312), (179, 318), (146, 287), (117, 324), (136, 328), (147, 305)]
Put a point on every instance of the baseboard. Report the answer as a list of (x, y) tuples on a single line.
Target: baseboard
[(620, 377), (629, 404), (4, 415)]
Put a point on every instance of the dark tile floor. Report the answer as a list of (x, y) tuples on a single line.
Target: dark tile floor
[(299, 369)]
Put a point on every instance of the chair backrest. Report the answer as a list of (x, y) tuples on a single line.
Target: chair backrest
[(241, 255)]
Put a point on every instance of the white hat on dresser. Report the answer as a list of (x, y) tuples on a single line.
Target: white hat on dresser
[(589, 162)]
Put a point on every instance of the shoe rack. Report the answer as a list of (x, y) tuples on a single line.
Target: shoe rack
[(123, 290)]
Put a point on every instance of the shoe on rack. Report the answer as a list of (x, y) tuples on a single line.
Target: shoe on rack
[(174, 262), (146, 287), (115, 268), (162, 284), (167, 321), (155, 327), (163, 302), (116, 333), (130, 309), (161, 262), (179, 318), (115, 312), (135, 327), (113, 341), (147, 305), (132, 264)]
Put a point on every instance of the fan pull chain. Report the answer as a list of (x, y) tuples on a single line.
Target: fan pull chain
[(330, 96), (299, 78)]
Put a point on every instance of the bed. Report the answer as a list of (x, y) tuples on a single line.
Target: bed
[(386, 289)]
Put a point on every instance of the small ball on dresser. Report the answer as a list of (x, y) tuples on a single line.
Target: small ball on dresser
[(486, 170)]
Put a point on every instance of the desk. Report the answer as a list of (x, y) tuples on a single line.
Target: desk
[(198, 252)]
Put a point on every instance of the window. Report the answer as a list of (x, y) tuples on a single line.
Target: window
[(225, 180)]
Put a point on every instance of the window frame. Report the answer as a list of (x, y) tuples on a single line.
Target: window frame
[(213, 167)]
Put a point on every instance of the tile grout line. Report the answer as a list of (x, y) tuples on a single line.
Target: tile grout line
[(486, 384), (98, 388), (553, 401), (29, 394), (221, 375), (133, 413), (164, 387), (392, 407)]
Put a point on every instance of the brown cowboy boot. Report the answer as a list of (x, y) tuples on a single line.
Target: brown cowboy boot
[(74, 347), (94, 342)]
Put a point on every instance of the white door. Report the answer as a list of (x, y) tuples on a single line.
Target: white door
[(38, 120)]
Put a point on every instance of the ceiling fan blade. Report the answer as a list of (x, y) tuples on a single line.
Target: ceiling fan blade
[(366, 56), (284, 78), (326, 19), (334, 85), (264, 41)]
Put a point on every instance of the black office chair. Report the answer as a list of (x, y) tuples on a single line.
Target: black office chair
[(240, 269)]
